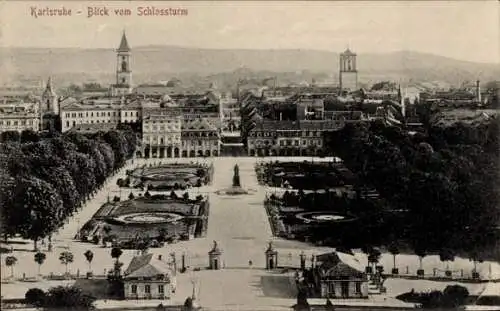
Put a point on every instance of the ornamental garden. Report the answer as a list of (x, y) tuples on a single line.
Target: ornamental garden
[(168, 176), (308, 198), (147, 221), (326, 204)]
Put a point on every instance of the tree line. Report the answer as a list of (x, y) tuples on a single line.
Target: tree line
[(445, 180), (45, 178)]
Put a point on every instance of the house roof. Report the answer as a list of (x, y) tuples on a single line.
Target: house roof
[(49, 90), (348, 52), (198, 125), (147, 266), (124, 47), (339, 264)]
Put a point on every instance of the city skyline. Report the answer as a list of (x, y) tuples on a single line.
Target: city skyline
[(366, 27)]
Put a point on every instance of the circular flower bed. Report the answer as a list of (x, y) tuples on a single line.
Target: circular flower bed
[(148, 218), (322, 217)]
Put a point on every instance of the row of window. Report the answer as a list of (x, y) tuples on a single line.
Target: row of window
[(286, 134), (146, 121), (161, 128), (288, 142), (331, 288), (167, 138), (147, 289), (16, 122), (184, 142), (74, 123), (100, 114)]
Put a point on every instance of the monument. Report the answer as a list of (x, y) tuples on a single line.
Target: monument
[(236, 188), (236, 176)]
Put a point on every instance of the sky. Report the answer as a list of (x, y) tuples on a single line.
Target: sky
[(466, 30)]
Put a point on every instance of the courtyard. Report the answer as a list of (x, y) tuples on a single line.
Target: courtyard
[(241, 228)]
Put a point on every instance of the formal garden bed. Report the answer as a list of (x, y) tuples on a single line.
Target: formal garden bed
[(168, 176), (148, 219), (299, 215), (304, 175)]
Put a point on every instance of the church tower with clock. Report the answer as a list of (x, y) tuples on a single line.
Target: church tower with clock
[(123, 83), (348, 73)]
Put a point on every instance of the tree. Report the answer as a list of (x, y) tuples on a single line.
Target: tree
[(131, 196), (185, 196), (455, 295), (446, 255), (35, 297), (29, 136), (116, 252), (10, 136), (69, 298), (374, 255), (394, 250), (475, 257), (421, 253), (66, 258), (10, 261), (39, 208), (39, 259), (89, 255)]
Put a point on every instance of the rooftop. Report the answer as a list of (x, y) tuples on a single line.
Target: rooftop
[(124, 47), (146, 266)]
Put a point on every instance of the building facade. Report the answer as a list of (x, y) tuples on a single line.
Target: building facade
[(289, 138), (104, 110), (335, 275), (148, 278), (348, 73), (199, 138), (19, 116), (161, 133)]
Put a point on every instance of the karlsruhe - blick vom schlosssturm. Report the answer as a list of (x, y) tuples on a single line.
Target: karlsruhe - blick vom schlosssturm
[(96, 11)]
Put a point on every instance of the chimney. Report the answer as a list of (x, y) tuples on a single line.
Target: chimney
[(478, 92)]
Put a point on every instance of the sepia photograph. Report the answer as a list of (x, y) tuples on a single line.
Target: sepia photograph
[(249, 155)]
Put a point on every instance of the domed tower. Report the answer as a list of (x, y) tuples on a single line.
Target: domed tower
[(348, 73), (49, 99), (123, 83)]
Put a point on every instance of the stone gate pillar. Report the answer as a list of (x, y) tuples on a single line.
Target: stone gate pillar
[(214, 257), (271, 257)]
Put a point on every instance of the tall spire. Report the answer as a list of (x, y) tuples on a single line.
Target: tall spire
[(124, 47), (48, 88)]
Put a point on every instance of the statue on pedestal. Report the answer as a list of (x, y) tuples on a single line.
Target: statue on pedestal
[(236, 176)]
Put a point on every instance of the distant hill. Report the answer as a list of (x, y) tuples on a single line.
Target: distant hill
[(153, 63)]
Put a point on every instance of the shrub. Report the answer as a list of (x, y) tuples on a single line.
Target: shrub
[(455, 295), (68, 298), (35, 297)]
